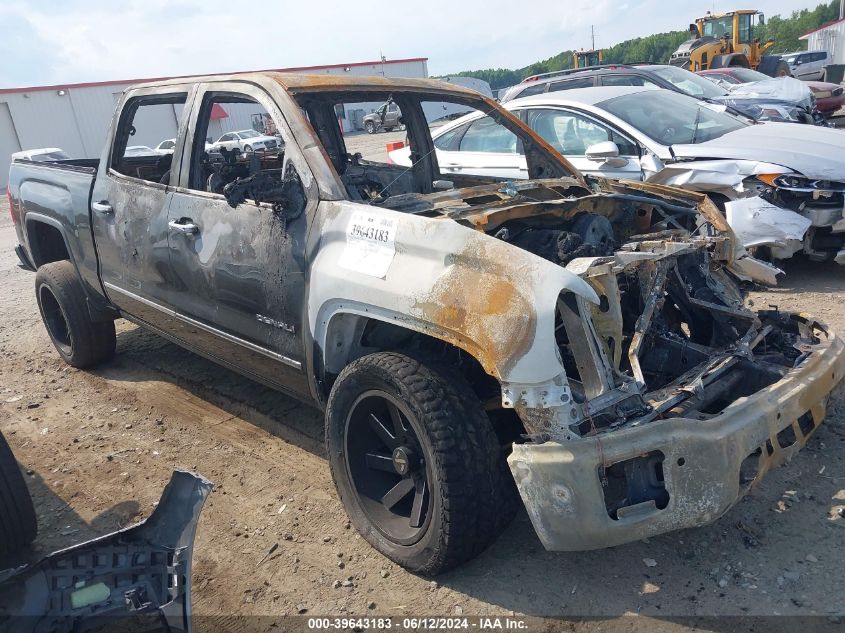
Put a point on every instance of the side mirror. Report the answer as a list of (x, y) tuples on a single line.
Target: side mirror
[(693, 29), (762, 19), (607, 153), (600, 151)]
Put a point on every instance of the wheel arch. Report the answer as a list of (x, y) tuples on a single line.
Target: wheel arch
[(348, 331), (47, 242), (46, 239)]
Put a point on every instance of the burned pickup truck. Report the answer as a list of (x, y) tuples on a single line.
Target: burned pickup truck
[(583, 338)]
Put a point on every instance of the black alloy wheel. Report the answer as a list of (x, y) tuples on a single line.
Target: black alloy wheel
[(387, 466)]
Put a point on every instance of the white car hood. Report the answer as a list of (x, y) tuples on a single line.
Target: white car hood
[(785, 89), (814, 151)]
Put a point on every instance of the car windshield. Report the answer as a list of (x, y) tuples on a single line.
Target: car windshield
[(671, 118), (746, 75), (248, 134), (690, 83)]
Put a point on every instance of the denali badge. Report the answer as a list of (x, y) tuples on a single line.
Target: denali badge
[(279, 324)]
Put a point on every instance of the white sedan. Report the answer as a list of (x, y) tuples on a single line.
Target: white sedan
[(781, 185), (246, 141), (41, 155), (166, 146)]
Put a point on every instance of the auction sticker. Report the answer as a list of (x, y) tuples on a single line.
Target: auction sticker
[(370, 244)]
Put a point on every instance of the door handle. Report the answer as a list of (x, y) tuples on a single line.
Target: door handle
[(184, 225), (102, 207)]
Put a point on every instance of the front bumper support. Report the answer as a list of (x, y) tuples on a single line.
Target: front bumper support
[(561, 483)]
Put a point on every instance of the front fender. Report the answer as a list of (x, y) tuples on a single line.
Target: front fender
[(436, 276)]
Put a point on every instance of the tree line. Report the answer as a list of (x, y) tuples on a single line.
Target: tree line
[(657, 48)]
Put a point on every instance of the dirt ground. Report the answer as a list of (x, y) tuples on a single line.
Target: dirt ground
[(99, 446)]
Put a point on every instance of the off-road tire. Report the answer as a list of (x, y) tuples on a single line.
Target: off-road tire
[(370, 127), (773, 66), (473, 494), (17, 515), (83, 342)]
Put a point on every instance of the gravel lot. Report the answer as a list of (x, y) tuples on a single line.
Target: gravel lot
[(372, 146), (99, 446)]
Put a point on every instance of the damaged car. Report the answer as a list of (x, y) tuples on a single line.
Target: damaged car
[(782, 186), (574, 342)]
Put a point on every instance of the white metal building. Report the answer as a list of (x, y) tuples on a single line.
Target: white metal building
[(828, 37), (75, 117)]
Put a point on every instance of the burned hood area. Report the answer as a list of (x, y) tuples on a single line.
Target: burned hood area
[(671, 335)]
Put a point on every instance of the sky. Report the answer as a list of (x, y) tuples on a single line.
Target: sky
[(69, 41)]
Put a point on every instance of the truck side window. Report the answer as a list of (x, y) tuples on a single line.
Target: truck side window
[(239, 152), (144, 123)]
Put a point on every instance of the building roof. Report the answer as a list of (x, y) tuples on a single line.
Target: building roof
[(821, 28), (295, 69)]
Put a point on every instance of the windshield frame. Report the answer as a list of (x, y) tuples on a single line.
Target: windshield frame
[(317, 103)]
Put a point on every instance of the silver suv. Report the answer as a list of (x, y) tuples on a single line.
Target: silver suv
[(387, 117), (808, 65)]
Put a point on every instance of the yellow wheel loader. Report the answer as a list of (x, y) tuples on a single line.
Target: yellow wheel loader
[(727, 39), (584, 59)]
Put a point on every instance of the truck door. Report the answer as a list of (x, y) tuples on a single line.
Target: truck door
[(239, 268), (129, 205)]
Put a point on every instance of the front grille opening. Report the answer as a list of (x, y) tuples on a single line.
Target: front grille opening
[(786, 437), (806, 423), (634, 481), (749, 468)]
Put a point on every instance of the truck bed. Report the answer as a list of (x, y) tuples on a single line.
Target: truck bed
[(51, 199)]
